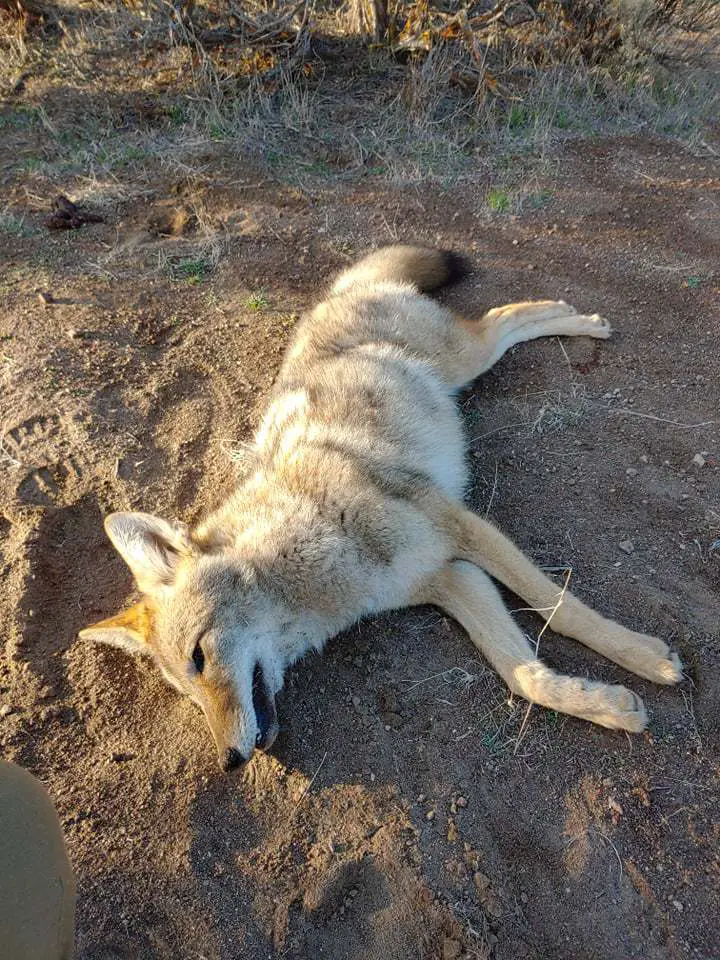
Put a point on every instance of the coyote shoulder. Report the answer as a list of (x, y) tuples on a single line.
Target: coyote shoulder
[(352, 504)]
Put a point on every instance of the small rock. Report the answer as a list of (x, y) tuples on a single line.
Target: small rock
[(356, 701), (627, 546), (430, 815), (699, 460), (678, 906), (5, 710), (631, 472)]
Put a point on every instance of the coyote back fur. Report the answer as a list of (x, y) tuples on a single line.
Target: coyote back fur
[(352, 504)]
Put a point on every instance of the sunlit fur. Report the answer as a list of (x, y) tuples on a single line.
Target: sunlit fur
[(351, 504)]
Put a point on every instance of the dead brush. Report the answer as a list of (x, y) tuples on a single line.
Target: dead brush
[(497, 52), (446, 90)]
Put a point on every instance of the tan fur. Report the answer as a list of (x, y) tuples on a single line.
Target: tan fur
[(351, 504)]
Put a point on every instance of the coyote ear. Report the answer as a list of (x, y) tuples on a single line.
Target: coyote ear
[(151, 547), (129, 630)]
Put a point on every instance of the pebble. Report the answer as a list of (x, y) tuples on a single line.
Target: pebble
[(631, 472), (678, 906), (5, 710), (627, 546), (699, 460)]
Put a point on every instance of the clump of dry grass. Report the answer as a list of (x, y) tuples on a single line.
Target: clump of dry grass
[(447, 89)]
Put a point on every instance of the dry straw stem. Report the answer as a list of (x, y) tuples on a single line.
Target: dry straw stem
[(623, 411), (561, 597), (307, 787)]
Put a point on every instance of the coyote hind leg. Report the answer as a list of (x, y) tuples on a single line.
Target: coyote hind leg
[(469, 596), (481, 343), (481, 543)]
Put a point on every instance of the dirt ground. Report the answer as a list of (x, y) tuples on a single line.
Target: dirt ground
[(410, 809)]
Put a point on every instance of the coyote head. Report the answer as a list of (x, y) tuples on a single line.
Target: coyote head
[(207, 625)]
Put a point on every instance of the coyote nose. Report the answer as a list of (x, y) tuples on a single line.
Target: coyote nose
[(231, 759)]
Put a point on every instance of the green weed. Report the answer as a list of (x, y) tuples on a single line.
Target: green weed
[(498, 200), (257, 301), (192, 270)]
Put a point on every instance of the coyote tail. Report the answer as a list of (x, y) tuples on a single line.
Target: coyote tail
[(423, 267)]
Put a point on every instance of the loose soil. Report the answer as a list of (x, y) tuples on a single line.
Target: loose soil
[(411, 808)]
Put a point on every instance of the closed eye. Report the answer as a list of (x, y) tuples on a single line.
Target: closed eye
[(198, 658)]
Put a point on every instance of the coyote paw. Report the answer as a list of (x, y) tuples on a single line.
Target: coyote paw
[(626, 711), (650, 657), (599, 327), (664, 670)]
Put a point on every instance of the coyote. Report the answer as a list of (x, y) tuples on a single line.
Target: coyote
[(351, 504)]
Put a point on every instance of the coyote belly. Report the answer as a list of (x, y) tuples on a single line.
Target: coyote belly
[(351, 503)]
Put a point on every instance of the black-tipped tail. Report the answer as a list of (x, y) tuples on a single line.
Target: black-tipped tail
[(426, 268), (456, 265)]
